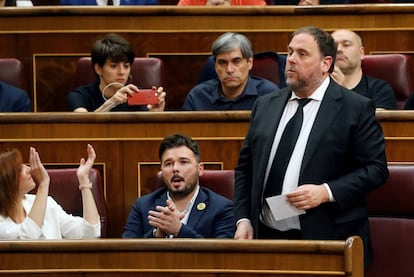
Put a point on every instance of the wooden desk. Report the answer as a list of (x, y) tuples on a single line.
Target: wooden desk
[(49, 40), (127, 144), (182, 258)]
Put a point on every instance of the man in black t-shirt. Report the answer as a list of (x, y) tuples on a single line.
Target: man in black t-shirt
[(348, 71)]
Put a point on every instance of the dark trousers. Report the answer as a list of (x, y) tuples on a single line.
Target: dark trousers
[(270, 233)]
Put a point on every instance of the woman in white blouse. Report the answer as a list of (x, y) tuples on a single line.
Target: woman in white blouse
[(39, 216)]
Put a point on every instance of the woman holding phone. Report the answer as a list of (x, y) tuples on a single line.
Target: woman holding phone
[(112, 58)]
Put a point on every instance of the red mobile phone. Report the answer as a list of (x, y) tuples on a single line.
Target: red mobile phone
[(143, 97)]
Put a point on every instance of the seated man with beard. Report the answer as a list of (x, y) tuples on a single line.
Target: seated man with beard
[(183, 208)]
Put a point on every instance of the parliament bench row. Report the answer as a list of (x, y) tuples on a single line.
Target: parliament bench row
[(391, 211), (174, 2), (396, 69)]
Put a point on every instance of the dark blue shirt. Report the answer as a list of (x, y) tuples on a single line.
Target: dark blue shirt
[(13, 99), (207, 95)]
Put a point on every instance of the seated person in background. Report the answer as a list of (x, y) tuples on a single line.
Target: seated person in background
[(222, 3), (13, 99), (29, 216), (108, 2), (409, 104), (183, 208), (348, 71), (112, 58), (234, 89), (208, 71)]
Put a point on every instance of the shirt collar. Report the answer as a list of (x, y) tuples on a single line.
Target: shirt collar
[(190, 203), (249, 89)]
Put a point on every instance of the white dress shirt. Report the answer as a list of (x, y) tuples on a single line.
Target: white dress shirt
[(291, 179)]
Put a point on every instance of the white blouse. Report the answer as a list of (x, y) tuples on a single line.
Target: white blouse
[(57, 224)]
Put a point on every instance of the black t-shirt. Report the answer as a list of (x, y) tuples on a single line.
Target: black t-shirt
[(90, 98), (379, 91), (409, 104)]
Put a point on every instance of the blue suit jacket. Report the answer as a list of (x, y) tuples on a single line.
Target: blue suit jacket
[(216, 220), (345, 149), (13, 99)]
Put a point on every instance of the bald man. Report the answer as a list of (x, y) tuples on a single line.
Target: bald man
[(348, 71)]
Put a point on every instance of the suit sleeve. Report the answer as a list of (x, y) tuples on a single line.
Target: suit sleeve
[(134, 227), (244, 175), (368, 163)]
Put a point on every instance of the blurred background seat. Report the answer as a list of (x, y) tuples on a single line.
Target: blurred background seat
[(396, 69), (391, 222), (64, 188)]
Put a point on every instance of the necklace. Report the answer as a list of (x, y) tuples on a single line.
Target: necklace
[(107, 86)]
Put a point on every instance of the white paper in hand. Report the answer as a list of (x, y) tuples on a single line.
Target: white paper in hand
[(281, 208)]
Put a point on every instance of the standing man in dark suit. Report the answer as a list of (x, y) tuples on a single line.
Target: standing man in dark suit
[(182, 208), (338, 158)]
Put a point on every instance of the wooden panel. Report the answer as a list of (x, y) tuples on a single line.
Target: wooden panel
[(182, 258), (52, 96), (46, 39), (127, 144)]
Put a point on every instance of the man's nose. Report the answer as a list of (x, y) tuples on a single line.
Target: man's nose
[(291, 57), (230, 67)]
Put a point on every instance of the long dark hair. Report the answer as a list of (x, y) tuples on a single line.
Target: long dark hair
[(11, 163)]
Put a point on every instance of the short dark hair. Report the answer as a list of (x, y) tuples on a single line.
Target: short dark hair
[(326, 43), (113, 47), (177, 140)]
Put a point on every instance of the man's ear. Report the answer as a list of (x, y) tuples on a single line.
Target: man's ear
[(200, 169), (326, 63), (250, 62), (362, 52)]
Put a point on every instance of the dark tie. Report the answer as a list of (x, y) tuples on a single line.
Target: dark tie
[(110, 3), (284, 151)]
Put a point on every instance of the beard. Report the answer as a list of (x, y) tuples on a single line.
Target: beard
[(186, 190), (179, 194), (296, 85)]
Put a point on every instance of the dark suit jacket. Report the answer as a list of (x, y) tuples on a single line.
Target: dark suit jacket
[(13, 99), (216, 220), (345, 149)]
